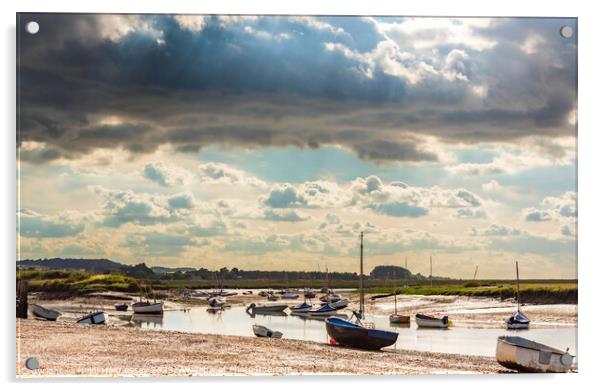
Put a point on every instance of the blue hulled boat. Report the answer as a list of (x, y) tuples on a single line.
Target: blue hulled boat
[(357, 336), (325, 310), (303, 307)]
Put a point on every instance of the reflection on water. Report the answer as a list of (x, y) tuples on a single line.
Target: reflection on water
[(147, 321), (235, 321)]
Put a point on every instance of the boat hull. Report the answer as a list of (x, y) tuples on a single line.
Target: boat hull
[(95, 318), (46, 313), (399, 319), (340, 304), (523, 355), (143, 308), (264, 332), (434, 323), (267, 309), (517, 326), (300, 309), (354, 336)]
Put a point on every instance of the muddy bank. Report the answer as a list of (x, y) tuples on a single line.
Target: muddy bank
[(67, 349)]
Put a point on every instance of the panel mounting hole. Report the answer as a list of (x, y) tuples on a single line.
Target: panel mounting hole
[(32, 363), (566, 31), (32, 27)]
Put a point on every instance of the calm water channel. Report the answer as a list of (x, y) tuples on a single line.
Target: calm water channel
[(461, 340)]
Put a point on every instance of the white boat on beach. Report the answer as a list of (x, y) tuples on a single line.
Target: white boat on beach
[(94, 318), (146, 307), (524, 355), (264, 332), (43, 312), (430, 321)]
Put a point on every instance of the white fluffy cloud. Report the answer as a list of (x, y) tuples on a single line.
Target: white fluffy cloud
[(165, 174), (219, 173), (560, 209)]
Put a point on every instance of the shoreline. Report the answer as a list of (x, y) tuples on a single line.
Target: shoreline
[(71, 350), (473, 312)]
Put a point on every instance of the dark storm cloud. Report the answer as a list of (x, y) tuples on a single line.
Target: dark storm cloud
[(271, 82)]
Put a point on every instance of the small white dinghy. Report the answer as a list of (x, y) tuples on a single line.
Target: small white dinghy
[(264, 332), (43, 312), (94, 318), (524, 355), (146, 307), (430, 321), (518, 321)]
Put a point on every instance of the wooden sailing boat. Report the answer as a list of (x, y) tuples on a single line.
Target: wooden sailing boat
[(397, 318), (518, 321), (358, 335), (145, 306)]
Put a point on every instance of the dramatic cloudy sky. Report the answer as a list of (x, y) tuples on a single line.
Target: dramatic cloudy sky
[(271, 142)]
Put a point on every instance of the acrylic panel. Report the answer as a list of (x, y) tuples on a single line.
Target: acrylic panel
[(273, 195)]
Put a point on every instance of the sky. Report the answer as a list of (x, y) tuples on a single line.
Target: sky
[(271, 142)]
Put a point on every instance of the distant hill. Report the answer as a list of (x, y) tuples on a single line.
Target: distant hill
[(97, 265), (390, 272), (165, 270)]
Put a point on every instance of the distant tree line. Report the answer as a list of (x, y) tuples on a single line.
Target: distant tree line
[(141, 270)]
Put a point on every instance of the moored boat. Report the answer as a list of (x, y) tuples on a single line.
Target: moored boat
[(358, 336), (301, 308), (290, 295), (272, 297), (399, 319), (146, 307), (264, 332), (396, 318), (43, 312), (325, 310), (339, 304), (524, 355), (216, 302), (431, 321), (330, 298), (94, 318), (264, 309), (121, 307), (518, 321)]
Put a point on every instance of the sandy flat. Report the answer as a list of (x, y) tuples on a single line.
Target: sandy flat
[(67, 349)]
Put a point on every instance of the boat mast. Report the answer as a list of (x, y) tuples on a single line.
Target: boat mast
[(395, 291), (517, 289), (362, 274), (431, 271)]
